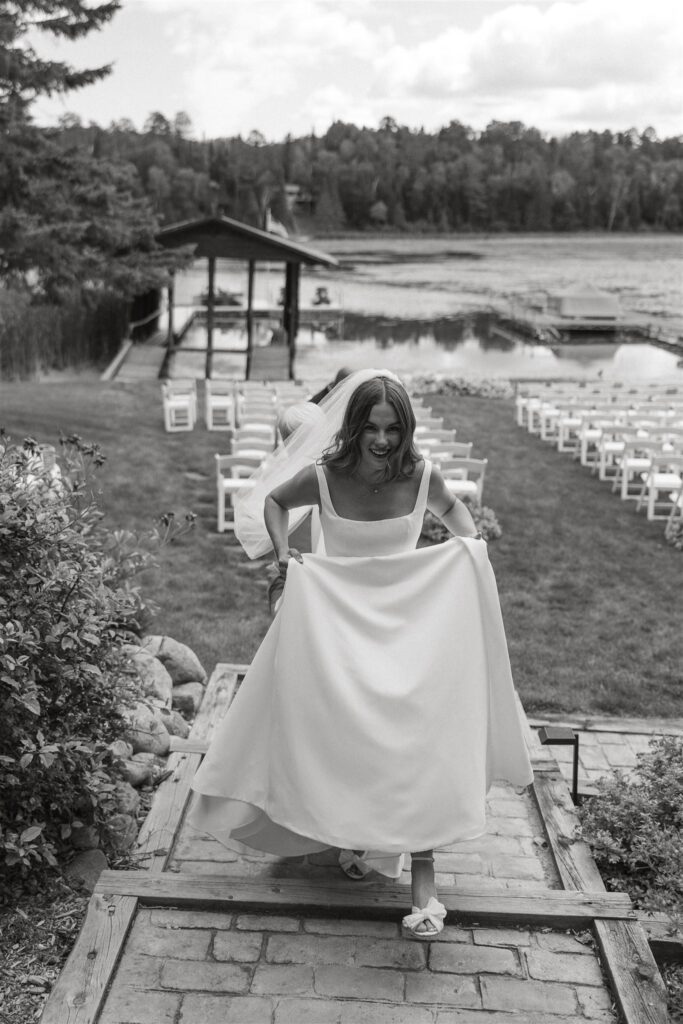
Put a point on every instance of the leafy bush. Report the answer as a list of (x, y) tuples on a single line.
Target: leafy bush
[(635, 828), (484, 517), (67, 604)]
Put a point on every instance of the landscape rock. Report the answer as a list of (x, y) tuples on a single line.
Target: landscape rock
[(155, 681), (175, 723), (180, 661), (85, 837), (85, 869), (137, 773), (146, 730), (121, 749), (127, 799), (187, 697), (122, 830)]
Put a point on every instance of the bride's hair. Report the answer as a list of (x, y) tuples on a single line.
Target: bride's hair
[(344, 453)]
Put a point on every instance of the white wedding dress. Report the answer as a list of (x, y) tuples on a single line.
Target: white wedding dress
[(380, 706)]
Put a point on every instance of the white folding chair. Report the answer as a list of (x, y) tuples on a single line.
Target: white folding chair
[(179, 400), (465, 477), (664, 476), (219, 404), (254, 446), (232, 478), (447, 450)]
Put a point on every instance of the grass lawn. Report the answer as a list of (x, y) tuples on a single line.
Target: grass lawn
[(591, 593)]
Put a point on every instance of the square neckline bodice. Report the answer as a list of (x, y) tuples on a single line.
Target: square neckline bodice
[(327, 506)]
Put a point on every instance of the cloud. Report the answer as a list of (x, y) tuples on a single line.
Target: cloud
[(605, 57)]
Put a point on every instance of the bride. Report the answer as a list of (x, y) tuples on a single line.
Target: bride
[(380, 706)]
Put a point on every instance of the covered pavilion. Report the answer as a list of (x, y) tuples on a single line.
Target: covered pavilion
[(223, 237)]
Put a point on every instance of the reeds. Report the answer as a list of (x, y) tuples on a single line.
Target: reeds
[(84, 330)]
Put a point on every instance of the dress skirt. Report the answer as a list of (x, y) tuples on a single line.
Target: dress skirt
[(376, 714)]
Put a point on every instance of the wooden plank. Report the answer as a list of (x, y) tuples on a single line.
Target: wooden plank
[(159, 829), (188, 746), (627, 726), (636, 981), (547, 907), (575, 864), (80, 989), (627, 958), (664, 936)]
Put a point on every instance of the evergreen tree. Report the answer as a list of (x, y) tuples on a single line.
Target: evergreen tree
[(67, 218)]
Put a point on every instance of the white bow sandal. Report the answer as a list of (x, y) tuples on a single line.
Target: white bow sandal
[(353, 866), (432, 915)]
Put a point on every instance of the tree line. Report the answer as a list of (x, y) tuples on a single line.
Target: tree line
[(509, 177)]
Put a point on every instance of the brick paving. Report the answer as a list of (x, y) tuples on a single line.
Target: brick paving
[(191, 967), (208, 967)]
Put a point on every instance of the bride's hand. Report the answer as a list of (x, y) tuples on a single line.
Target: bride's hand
[(290, 553)]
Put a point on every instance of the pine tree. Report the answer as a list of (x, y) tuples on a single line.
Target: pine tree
[(67, 218)]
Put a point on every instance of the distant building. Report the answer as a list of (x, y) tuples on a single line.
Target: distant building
[(583, 302)]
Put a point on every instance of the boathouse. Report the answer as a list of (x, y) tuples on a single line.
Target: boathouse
[(224, 238)]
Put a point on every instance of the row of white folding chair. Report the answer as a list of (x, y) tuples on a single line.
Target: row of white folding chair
[(179, 400), (233, 473), (664, 476), (532, 410), (613, 440)]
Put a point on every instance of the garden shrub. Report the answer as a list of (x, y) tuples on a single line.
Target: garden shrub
[(67, 604), (484, 517), (635, 828)]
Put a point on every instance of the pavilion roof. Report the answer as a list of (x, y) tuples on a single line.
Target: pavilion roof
[(231, 239)]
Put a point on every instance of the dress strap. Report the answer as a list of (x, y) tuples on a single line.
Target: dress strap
[(325, 499), (421, 503)]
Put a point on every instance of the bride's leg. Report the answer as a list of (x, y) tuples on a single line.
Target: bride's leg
[(422, 880)]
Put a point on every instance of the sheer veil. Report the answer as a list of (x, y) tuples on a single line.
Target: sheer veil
[(303, 448)]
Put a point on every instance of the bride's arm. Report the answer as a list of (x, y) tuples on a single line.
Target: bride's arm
[(452, 512), (302, 489)]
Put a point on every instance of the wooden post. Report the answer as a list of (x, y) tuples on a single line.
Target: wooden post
[(250, 317), (171, 304), (291, 311), (209, 316)]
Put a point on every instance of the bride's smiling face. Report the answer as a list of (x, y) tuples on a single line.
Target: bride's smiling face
[(381, 437)]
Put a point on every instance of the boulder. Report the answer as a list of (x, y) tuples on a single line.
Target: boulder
[(179, 660), (155, 681), (146, 730), (175, 723), (127, 799), (187, 697), (85, 869), (85, 837), (137, 773), (121, 749), (122, 830)]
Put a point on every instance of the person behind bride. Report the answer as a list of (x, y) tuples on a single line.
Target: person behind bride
[(381, 696)]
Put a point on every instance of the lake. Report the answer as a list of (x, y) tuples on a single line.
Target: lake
[(421, 304)]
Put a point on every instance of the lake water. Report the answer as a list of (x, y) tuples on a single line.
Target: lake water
[(414, 305)]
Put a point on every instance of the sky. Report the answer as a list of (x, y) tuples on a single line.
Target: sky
[(294, 66)]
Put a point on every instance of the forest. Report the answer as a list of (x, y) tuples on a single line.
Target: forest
[(508, 177)]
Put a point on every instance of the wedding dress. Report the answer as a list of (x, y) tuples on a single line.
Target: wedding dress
[(379, 707)]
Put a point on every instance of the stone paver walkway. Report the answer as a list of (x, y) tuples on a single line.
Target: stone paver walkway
[(607, 744), (203, 967)]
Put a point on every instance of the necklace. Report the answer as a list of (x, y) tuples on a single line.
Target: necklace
[(370, 488)]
